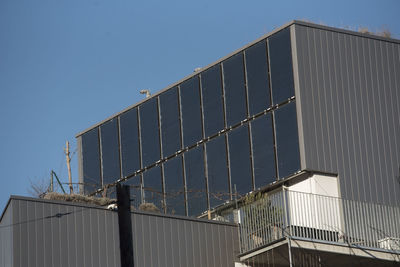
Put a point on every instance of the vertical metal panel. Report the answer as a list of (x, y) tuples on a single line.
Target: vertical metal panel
[(224, 262), (232, 234), (115, 245), (39, 232), (55, 232), (96, 237), (86, 237), (23, 238), (348, 89), (198, 249), (394, 78), (48, 248), (137, 233), (191, 254), (175, 244), (159, 231), (6, 237), (298, 94), (377, 74), (63, 237), (71, 236), (102, 239), (148, 251), (207, 241), (364, 178), (154, 250), (183, 246), (364, 132), (78, 235), (32, 253), (215, 241), (391, 146), (169, 247)]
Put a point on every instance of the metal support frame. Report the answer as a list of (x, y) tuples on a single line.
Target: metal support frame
[(287, 218), (125, 225)]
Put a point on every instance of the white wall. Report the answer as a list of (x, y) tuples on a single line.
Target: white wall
[(314, 203)]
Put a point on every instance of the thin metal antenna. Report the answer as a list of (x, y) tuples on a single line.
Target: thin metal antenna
[(51, 182), (67, 153)]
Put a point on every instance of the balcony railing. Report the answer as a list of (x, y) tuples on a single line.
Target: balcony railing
[(319, 218)]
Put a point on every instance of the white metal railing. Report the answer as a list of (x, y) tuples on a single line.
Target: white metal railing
[(316, 217)]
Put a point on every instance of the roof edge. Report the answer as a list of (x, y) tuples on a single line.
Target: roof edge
[(345, 31), (5, 208), (76, 204)]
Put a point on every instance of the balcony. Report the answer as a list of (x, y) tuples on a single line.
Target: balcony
[(289, 221)]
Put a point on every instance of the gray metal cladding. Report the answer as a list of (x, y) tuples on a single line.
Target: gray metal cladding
[(6, 244), (348, 94), (48, 233), (51, 234), (170, 241)]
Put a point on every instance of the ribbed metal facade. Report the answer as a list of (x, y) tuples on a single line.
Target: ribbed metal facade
[(48, 233), (6, 242), (347, 89)]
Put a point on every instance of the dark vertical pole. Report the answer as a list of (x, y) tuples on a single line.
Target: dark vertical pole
[(125, 225)]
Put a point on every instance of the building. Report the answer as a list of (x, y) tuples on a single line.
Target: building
[(295, 137), (304, 97)]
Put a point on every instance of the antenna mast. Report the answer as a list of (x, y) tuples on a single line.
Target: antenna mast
[(66, 150)]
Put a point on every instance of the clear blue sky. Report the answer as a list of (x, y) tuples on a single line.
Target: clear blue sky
[(66, 65)]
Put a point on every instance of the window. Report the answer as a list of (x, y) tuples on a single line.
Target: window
[(280, 55), (91, 160), (239, 159), (218, 182), (195, 181), (257, 78), (135, 190), (110, 151), (211, 89), (174, 189), (235, 95), (149, 132), (287, 140), (191, 113), (263, 151), (170, 125), (152, 187), (129, 132)]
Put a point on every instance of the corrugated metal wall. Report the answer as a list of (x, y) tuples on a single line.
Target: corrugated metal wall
[(348, 87), (162, 241), (6, 253), (54, 234), (49, 234)]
